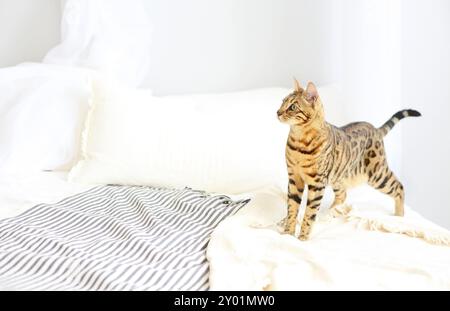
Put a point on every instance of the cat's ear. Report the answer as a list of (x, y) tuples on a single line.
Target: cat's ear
[(311, 93), (297, 86)]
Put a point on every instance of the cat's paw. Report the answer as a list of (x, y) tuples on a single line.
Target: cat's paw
[(288, 232), (282, 222), (303, 237), (281, 225), (339, 210)]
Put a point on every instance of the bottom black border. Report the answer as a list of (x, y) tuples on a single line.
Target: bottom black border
[(222, 300)]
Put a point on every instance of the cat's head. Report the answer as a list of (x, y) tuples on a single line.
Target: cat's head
[(302, 106)]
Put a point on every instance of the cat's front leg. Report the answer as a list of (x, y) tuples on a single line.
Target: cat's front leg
[(315, 195), (294, 199)]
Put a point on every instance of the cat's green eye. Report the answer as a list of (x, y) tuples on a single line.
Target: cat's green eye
[(293, 107)]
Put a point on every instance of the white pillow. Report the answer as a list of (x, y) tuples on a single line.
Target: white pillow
[(42, 111), (228, 143)]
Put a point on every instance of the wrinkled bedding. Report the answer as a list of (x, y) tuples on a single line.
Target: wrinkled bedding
[(113, 238), (361, 247)]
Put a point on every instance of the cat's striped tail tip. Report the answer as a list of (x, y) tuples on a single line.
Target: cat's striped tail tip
[(413, 113)]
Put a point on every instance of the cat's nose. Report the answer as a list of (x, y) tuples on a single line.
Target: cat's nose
[(279, 113)]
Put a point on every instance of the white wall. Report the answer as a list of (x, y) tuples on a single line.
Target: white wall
[(28, 29), (203, 45), (367, 45), (426, 87)]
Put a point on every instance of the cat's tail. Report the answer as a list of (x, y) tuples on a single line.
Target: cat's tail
[(396, 118)]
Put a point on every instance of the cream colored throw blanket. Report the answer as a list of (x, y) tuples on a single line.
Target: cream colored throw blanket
[(360, 246)]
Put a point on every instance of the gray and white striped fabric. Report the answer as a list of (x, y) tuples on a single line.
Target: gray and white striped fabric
[(113, 238)]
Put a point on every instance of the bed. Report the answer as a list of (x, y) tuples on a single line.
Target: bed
[(362, 249), (147, 217)]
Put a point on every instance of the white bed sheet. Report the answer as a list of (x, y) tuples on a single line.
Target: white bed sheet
[(247, 252), (366, 249), (21, 192)]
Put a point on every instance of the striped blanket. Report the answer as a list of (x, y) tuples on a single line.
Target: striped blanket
[(113, 238)]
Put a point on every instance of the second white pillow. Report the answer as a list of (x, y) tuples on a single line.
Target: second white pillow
[(228, 143)]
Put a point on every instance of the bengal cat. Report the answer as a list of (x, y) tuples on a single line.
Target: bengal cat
[(320, 154)]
